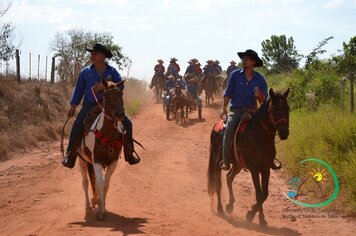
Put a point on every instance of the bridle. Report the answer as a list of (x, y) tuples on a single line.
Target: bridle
[(275, 123), (99, 104)]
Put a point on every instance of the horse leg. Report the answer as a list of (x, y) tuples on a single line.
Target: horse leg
[(100, 184), (265, 180), (218, 191), (229, 179), (256, 182), (85, 182), (108, 173)]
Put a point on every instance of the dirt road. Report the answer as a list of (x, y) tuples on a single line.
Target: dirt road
[(164, 195)]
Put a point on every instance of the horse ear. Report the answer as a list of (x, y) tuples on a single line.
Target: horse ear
[(121, 83), (271, 93), (104, 82), (285, 94)]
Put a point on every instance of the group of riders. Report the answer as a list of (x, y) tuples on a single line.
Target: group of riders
[(193, 80), (240, 94)]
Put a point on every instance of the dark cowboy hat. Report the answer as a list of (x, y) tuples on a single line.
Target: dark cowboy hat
[(100, 48), (253, 55)]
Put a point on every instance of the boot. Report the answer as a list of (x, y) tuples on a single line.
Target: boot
[(71, 155), (129, 152)]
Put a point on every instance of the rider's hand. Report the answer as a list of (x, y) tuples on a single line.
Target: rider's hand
[(223, 113), (71, 111)]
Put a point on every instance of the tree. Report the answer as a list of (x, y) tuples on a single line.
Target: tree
[(312, 57), (279, 54), (7, 47), (69, 48)]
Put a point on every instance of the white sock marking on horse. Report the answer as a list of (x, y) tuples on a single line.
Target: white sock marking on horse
[(85, 182)]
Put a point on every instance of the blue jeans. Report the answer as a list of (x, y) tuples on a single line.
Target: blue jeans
[(231, 126), (78, 124)]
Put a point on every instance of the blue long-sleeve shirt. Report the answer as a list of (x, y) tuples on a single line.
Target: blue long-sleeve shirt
[(241, 91), (88, 77)]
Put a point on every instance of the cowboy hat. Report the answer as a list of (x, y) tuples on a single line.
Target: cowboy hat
[(233, 62), (195, 60), (160, 60), (253, 55), (174, 59), (209, 61), (217, 62), (100, 48)]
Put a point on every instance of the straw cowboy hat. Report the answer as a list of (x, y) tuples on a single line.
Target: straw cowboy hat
[(253, 55), (100, 48)]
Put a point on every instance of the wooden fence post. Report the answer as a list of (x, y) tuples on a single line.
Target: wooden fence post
[(52, 70), (18, 75)]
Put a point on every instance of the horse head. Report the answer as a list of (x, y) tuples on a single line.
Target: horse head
[(113, 100), (279, 111)]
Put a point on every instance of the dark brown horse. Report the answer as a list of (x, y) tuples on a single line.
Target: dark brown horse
[(257, 147), (180, 102)]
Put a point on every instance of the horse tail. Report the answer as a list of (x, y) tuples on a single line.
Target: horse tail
[(91, 175), (213, 169)]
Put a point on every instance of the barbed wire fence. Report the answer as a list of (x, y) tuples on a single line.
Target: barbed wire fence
[(30, 66)]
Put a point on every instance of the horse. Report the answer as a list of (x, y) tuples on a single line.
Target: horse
[(256, 149), (209, 86), (101, 147), (180, 101), (159, 85)]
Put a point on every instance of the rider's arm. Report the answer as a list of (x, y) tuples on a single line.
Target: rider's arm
[(79, 90)]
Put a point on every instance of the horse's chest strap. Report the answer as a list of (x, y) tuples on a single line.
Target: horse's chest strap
[(105, 140)]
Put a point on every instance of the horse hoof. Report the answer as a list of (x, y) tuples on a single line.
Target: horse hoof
[(100, 215), (263, 223), (221, 213), (229, 208), (249, 216)]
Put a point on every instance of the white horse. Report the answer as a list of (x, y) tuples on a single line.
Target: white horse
[(101, 147)]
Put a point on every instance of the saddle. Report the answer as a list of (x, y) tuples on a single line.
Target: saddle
[(89, 120), (220, 127)]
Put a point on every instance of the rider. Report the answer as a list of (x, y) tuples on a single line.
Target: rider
[(208, 71), (231, 68), (159, 71), (240, 92), (88, 77), (217, 67), (192, 88), (197, 70), (173, 68), (190, 68)]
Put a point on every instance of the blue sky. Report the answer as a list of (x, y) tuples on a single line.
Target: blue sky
[(216, 29)]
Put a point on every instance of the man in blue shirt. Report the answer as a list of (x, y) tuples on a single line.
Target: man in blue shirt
[(90, 76), (231, 68), (240, 93)]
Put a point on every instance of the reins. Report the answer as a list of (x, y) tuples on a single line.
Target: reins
[(62, 136)]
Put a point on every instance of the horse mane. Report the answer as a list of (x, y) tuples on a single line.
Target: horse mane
[(262, 111)]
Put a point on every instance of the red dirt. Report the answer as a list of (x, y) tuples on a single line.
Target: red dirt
[(164, 195)]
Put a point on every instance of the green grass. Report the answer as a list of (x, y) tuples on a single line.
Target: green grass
[(328, 134)]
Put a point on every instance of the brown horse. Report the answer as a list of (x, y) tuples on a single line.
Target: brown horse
[(257, 148), (101, 147), (159, 85)]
